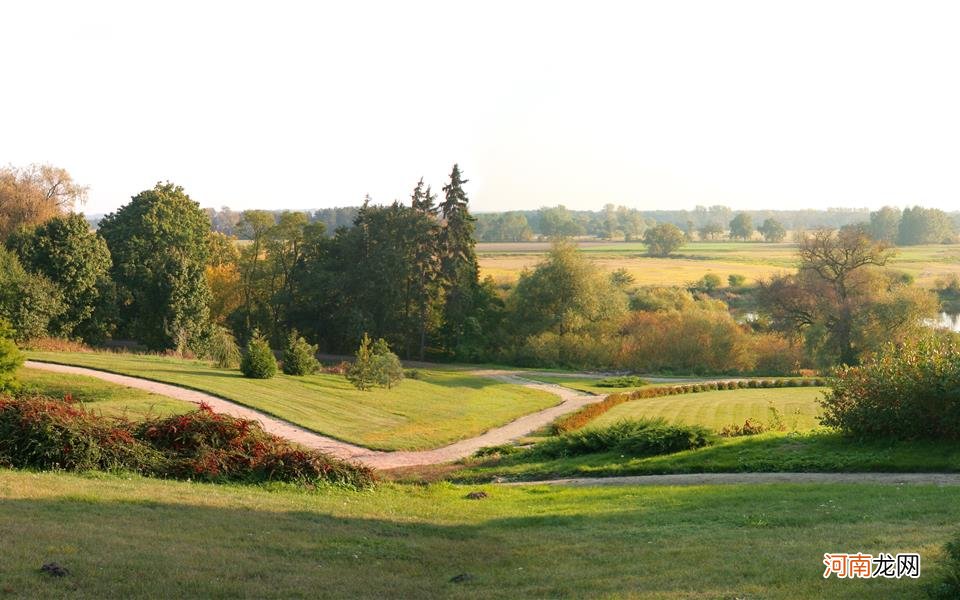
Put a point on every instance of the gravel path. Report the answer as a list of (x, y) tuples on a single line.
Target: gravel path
[(733, 478), (571, 401)]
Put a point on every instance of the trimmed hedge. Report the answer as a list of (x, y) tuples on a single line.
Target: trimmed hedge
[(580, 418)]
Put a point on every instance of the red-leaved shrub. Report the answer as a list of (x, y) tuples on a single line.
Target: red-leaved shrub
[(43, 433)]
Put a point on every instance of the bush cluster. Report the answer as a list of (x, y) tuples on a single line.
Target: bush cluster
[(911, 391), (44, 433), (375, 365), (622, 382), (647, 437), (578, 419), (749, 427)]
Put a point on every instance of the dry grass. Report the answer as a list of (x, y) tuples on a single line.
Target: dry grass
[(753, 260)]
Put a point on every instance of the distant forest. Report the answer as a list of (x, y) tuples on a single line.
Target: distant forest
[(619, 222)]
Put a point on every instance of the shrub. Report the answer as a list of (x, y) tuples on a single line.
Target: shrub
[(223, 348), (947, 587), (632, 438), (412, 374), (43, 433), (10, 357), (259, 361), (736, 281), (908, 392), (53, 344), (622, 382), (300, 358), (709, 282), (701, 338), (501, 450), (749, 427), (340, 368), (215, 447)]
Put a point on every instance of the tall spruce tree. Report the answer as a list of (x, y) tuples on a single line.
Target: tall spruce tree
[(423, 285), (459, 270)]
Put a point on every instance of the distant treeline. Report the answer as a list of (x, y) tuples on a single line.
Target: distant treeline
[(918, 225)]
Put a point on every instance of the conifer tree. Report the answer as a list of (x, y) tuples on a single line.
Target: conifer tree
[(459, 270)]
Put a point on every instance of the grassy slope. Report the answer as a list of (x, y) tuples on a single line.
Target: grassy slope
[(443, 407), (771, 452), (751, 259), (100, 396), (140, 538), (798, 407)]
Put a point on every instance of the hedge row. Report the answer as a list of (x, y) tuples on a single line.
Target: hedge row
[(578, 419)]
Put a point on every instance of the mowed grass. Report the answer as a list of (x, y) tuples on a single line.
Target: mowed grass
[(138, 538), (101, 397), (753, 260), (441, 407), (798, 408)]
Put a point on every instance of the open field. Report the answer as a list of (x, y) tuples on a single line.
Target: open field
[(440, 407), (754, 260), (133, 537), (101, 397), (715, 409), (813, 451)]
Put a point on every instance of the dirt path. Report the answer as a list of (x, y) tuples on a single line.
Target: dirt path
[(734, 478), (571, 401)]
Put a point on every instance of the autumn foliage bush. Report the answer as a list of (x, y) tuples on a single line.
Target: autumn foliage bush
[(909, 391), (44, 433)]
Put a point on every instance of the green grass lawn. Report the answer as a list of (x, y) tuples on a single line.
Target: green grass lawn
[(100, 396), (139, 538), (818, 450), (797, 406), (442, 407)]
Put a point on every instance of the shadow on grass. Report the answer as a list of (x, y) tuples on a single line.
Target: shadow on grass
[(518, 543)]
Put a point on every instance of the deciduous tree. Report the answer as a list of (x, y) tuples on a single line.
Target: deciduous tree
[(158, 243)]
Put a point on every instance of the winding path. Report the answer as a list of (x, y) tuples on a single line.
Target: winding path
[(571, 401)]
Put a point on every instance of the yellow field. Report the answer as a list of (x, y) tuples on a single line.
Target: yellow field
[(753, 260)]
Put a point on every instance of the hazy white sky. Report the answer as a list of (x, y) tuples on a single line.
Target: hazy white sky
[(647, 104)]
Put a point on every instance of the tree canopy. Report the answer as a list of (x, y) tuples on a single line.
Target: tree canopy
[(664, 239), (158, 244)]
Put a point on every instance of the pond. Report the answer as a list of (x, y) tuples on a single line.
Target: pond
[(947, 320)]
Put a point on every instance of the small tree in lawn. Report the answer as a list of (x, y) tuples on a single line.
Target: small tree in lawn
[(375, 365), (259, 361), (362, 372), (300, 358), (387, 367), (10, 357)]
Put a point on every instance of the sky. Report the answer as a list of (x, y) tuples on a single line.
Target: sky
[(652, 105)]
